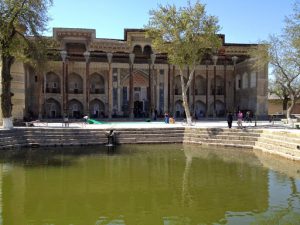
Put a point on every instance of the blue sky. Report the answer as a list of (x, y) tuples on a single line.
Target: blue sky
[(242, 21)]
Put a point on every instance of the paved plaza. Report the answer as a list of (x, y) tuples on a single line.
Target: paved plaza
[(161, 124)]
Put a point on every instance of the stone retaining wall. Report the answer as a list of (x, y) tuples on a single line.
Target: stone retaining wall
[(284, 143)]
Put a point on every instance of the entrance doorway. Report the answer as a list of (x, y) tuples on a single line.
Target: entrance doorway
[(138, 109)]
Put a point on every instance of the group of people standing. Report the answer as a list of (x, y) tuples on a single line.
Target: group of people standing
[(240, 117)]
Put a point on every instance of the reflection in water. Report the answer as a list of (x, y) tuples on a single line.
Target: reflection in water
[(146, 184), (186, 197)]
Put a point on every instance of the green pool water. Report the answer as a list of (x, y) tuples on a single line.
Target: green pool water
[(147, 185)]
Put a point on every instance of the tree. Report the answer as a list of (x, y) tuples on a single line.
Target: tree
[(21, 24), (186, 35), (281, 92), (283, 54)]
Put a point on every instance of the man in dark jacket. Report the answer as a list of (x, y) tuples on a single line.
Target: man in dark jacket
[(229, 119)]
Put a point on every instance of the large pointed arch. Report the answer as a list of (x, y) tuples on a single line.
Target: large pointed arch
[(75, 109), (97, 84), (52, 83), (179, 109), (200, 85), (75, 84), (52, 108), (200, 109), (97, 108), (220, 108), (140, 79)]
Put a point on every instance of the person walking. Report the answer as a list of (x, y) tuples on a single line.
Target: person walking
[(248, 117), (229, 119), (240, 119)]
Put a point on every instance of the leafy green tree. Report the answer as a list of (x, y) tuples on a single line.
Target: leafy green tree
[(186, 35), (281, 92), (282, 52), (22, 22)]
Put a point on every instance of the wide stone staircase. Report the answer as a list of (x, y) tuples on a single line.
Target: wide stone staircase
[(244, 138), (284, 143), (35, 137)]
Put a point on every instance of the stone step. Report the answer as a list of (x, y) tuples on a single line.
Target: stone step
[(230, 142), (239, 145), (218, 130), (222, 137), (231, 134), (282, 138), (281, 133), (279, 142), (287, 152)]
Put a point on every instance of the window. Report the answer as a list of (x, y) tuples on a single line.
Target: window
[(238, 82), (75, 107), (253, 79), (115, 78), (35, 78), (245, 80), (93, 87), (54, 85)]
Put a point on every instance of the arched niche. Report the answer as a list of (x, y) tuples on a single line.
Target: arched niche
[(52, 83), (147, 51), (200, 109), (220, 108), (179, 109), (200, 85), (97, 109), (75, 109), (137, 50), (219, 86), (97, 84), (177, 85), (75, 84), (52, 108)]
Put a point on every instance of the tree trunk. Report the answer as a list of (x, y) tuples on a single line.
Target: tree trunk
[(6, 95), (285, 104), (185, 100), (289, 110)]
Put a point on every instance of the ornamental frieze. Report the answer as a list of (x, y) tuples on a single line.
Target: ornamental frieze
[(123, 73)]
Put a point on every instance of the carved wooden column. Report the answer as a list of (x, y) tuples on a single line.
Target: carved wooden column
[(234, 60), (215, 59), (67, 84), (207, 91), (87, 80), (172, 91), (169, 86), (225, 84), (63, 83), (153, 57), (110, 92), (131, 104)]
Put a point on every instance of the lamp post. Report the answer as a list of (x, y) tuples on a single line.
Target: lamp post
[(64, 55), (215, 59), (131, 106), (109, 90), (234, 60)]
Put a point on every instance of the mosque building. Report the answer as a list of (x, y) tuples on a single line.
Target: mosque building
[(107, 78)]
